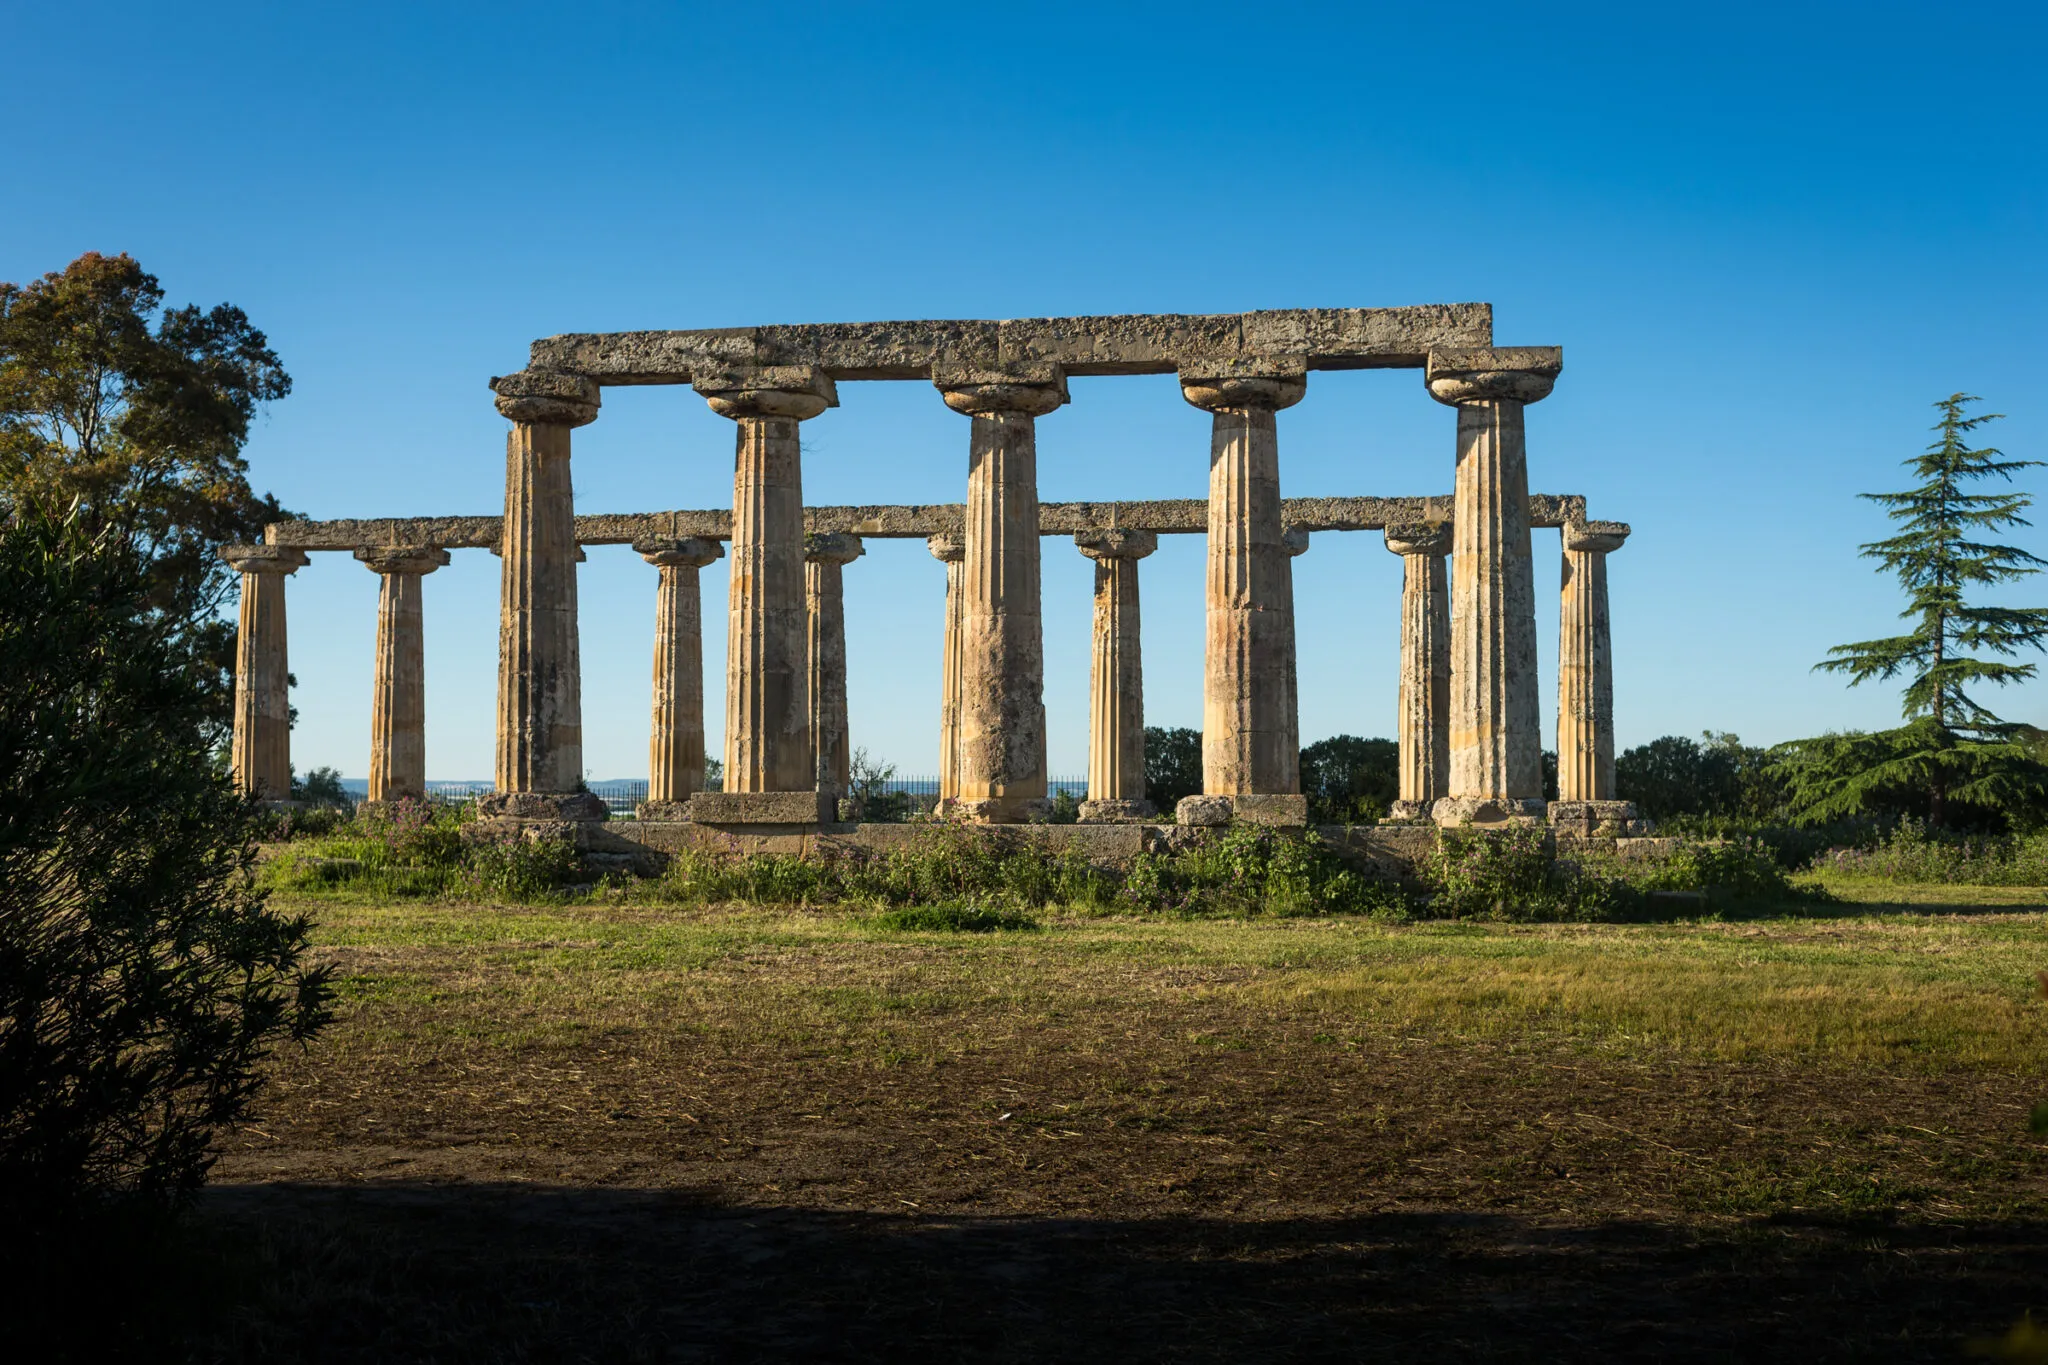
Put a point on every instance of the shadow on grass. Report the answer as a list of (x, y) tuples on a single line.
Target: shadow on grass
[(398, 1273)]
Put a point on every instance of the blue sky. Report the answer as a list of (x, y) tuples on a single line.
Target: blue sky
[(1768, 238)]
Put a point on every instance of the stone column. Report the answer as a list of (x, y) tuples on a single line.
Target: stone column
[(675, 756), (1002, 687), (1249, 743), (825, 557), (950, 549), (1424, 717), (1496, 742), (540, 684), (261, 756), (770, 766), (1585, 680), (1116, 680), (1295, 538), (398, 699)]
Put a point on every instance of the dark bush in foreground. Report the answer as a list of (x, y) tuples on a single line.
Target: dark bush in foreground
[(142, 978)]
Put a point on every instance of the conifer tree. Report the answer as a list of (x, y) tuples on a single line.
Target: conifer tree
[(1953, 746)]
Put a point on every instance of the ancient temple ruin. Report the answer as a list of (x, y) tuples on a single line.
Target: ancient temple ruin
[(1469, 696)]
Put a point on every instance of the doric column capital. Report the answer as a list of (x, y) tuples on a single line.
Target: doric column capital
[(263, 558), (686, 552), (948, 547), (1029, 390), (1115, 542), (1481, 374), (1295, 538), (797, 391), (832, 547), (1596, 537), (554, 397), (1265, 382), (389, 559), (1419, 538)]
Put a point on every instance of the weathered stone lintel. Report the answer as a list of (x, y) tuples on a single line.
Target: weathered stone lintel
[(1144, 343), (762, 808), (1171, 516)]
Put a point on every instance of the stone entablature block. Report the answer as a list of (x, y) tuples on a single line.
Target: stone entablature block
[(1166, 516), (1150, 343)]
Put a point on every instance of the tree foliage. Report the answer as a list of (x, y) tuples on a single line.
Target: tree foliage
[(1922, 770), (1173, 765), (1952, 743), (1937, 557), (1349, 780), (136, 414), (142, 977), (1715, 775)]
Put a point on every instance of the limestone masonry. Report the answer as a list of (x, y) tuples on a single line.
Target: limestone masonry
[(1468, 712)]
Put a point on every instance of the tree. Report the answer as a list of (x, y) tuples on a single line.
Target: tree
[(1349, 780), (143, 979), (1173, 765), (136, 415), (1952, 744), (1715, 775)]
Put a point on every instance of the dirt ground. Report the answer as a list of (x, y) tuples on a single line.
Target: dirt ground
[(955, 1156)]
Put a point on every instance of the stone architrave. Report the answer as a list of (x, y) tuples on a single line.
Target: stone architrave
[(1116, 680), (768, 746), (1248, 737), (1002, 687), (261, 756), (540, 684), (1423, 722), (675, 757), (398, 698), (1496, 742), (825, 559), (950, 549), (1585, 668)]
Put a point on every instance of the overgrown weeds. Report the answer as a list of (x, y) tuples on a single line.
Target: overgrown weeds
[(1911, 852), (411, 850)]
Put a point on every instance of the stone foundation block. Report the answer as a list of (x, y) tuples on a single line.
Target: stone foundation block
[(1271, 808), (1118, 812), (763, 808), (1407, 812), (662, 810), (542, 806), (1000, 810), (1202, 810), (1453, 811)]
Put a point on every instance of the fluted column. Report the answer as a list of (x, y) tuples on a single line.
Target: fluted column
[(540, 685), (767, 707), (675, 750), (1002, 689), (1248, 734), (398, 697), (261, 755), (1423, 717), (1296, 540), (1585, 669), (950, 549), (1116, 680), (1496, 742), (825, 558)]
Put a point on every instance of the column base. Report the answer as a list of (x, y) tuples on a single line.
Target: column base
[(1118, 812), (1603, 819), (1453, 811), (999, 810), (542, 806), (1408, 813), (762, 808), (1278, 810)]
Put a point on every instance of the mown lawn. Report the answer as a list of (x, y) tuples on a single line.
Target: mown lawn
[(612, 1131)]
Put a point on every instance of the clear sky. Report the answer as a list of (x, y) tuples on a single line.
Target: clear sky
[(1768, 238)]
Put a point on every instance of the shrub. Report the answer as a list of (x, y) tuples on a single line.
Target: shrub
[(1509, 874), (957, 919), (1253, 871), (1911, 852), (143, 980)]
